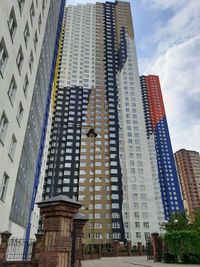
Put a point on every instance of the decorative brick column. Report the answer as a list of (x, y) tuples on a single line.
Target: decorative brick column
[(91, 251), (116, 248), (79, 223), (5, 236), (156, 249), (37, 246), (99, 250), (129, 247), (139, 247), (82, 252), (57, 213)]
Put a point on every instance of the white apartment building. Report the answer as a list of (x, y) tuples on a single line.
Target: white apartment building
[(25, 52)]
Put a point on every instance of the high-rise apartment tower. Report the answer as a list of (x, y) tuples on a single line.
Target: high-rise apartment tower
[(188, 165), (98, 150), (162, 158), (29, 36)]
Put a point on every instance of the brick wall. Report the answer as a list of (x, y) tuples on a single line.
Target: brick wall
[(18, 264)]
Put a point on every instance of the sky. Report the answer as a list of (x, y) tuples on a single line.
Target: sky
[(167, 35)]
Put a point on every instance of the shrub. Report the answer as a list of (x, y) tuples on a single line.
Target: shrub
[(190, 258), (170, 258), (184, 244)]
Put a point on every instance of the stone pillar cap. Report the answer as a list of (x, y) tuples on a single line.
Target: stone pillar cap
[(58, 200), (6, 233), (81, 217), (39, 234)]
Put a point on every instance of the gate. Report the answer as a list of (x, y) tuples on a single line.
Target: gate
[(149, 248), (73, 246)]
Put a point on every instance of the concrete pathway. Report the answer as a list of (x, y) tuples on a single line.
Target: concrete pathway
[(128, 262)]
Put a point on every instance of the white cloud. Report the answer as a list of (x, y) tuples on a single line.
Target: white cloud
[(74, 2), (176, 61), (164, 4)]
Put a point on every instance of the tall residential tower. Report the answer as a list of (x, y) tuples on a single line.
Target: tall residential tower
[(188, 165), (98, 149), (29, 37), (162, 158)]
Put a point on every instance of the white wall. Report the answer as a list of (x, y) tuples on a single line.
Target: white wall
[(6, 164)]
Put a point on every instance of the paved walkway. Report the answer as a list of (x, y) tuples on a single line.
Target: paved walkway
[(128, 262)]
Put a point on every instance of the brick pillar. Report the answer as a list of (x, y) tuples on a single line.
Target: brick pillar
[(99, 250), (116, 248), (129, 247), (79, 223), (139, 247), (38, 246), (5, 236), (155, 244), (82, 249), (91, 251), (57, 213)]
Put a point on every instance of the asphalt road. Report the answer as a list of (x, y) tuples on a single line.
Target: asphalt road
[(128, 262)]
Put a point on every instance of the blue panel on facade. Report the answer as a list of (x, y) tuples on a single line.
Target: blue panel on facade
[(169, 184)]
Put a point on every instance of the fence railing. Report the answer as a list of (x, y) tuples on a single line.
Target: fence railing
[(15, 251)]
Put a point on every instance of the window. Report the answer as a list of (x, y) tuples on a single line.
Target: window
[(136, 214), (137, 224), (20, 59), (31, 60), (39, 23), (97, 216), (20, 113), (12, 23), (26, 34), (25, 85), (3, 126), (98, 206), (146, 224), (4, 187), (35, 40), (12, 90), (21, 5), (43, 7), (3, 56), (32, 13), (138, 235), (144, 205), (12, 147)]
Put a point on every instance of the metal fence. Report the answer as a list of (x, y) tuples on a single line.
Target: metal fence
[(149, 248), (16, 252)]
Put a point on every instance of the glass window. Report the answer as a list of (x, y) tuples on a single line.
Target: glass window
[(3, 126), (20, 59), (3, 56), (12, 23), (4, 187), (26, 34), (32, 13), (25, 85), (20, 113), (12, 148), (138, 235), (31, 60), (39, 22), (146, 224), (12, 90), (21, 5)]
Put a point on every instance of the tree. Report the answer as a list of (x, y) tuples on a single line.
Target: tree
[(178, 221)]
